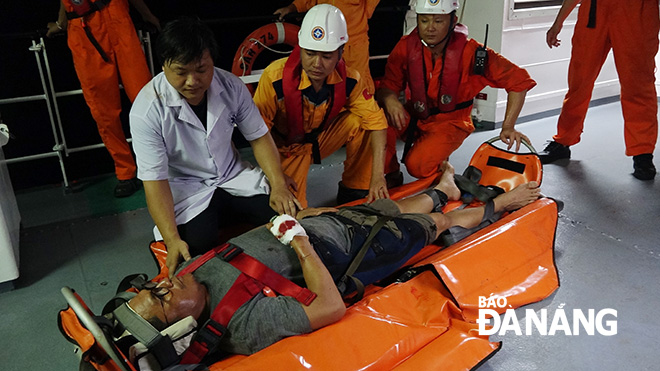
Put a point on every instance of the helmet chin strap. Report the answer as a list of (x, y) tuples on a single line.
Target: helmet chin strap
[(451, 29), (428, 45)]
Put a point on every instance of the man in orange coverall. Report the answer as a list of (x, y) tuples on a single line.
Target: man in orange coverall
[(442, 89), (104, 44), (630, 29), (314, 104), (357, 13)]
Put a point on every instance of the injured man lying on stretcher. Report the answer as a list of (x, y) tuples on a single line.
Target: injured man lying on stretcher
[(325, 242)]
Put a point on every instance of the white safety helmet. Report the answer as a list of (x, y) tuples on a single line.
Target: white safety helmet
[(436, 6), (323, 29)]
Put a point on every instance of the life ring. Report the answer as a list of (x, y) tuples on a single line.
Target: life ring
[(260, 39)]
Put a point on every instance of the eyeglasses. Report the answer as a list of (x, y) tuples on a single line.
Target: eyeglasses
[(159, 293), (152, 286)]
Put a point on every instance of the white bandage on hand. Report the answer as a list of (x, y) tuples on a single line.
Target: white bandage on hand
[(285, 227)]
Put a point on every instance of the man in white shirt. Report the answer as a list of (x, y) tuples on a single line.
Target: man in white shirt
[(182, 123)]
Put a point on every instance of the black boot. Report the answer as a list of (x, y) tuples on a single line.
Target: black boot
[(394, 179), (127, 187), (554, 151), (643, 167)]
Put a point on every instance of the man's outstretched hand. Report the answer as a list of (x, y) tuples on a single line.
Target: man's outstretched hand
[(175, 251)]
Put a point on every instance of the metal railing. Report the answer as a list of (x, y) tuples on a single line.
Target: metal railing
[(50, 96)]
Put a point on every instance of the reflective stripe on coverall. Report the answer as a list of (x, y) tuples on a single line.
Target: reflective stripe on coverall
[(630, 29), (113, 29)]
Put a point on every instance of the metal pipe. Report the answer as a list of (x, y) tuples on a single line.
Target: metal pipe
[(85, 148), (31, 35), (37, 48), (52, 92), (68, 93), (28, 98), (145, 36), (377, 57), (86, 319), (92, 146), (29, 157)]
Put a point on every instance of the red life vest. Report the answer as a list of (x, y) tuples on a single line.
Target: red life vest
[(293, 100), (82, 8), (450, 76)]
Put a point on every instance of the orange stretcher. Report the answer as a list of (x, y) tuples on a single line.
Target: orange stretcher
[(428, 320)]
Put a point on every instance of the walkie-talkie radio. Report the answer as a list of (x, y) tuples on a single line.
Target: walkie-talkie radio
[(481, 57)]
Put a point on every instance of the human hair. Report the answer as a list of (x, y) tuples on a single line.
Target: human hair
[(452, 14), (184, 40), (340, 50)]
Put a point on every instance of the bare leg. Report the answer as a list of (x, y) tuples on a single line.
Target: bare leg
[(447, 183), (422, 203), (469, 218)]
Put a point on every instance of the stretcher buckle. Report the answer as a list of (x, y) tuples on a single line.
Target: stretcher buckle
[(210, 335), (229, 252)]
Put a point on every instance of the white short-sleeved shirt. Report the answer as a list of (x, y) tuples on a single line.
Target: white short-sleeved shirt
[(171, 143)]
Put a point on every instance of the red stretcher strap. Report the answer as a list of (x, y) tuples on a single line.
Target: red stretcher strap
[(255, 269), (199, 262), (260, 272), (208, 337)]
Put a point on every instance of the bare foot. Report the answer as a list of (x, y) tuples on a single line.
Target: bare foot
[(447, 184), (518, 197)]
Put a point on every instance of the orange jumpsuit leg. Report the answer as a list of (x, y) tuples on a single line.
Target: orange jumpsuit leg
[(356, 56), (297, 166), (131, 61), (588, 53), (436, 141), (359, 154), (342, 130), (634, 30)]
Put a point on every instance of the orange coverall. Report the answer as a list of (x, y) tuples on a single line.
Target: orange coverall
[(630, 29), (441, 134), (361, 114), (357, 14), (113, 29)]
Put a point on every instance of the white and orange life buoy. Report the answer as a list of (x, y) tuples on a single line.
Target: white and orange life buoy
[(260, 39)]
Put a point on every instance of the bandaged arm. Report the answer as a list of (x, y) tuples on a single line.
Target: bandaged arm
[(328, 307)]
